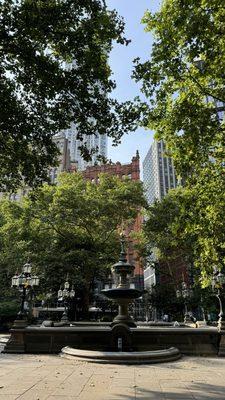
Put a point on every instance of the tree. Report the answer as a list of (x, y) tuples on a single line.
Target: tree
[(70, 228), (208, 217), (189, 223), (12, 244), (163, 299), (184, 82), (166, 234), (54, 70), (166, 225)]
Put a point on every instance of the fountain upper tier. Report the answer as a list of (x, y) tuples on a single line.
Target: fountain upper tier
[(123, 294)]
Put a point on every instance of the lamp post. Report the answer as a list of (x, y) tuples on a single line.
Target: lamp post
[(24, 283), (185, 292), (64, 295), (218, 283)]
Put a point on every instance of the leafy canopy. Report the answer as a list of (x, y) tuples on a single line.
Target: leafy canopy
[(184, 81), (70, 228), (54, 71), (184, 84), (189, 222), (166, 222)]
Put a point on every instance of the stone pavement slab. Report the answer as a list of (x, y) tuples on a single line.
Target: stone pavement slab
[(50, 377)]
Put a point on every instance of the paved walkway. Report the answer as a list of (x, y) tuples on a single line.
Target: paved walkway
[(35, 377)]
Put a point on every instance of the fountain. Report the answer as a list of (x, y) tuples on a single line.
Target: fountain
[(123, 294), (121, 344), (120, 341)]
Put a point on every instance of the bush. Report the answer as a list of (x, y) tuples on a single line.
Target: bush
[(8, 312)]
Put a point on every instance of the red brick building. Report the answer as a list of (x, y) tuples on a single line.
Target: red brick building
[(174, 272), (132, 170)]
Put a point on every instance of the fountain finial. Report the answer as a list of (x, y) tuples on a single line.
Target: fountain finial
[(123, 257)]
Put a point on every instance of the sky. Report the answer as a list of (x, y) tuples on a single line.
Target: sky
[(121, 64)]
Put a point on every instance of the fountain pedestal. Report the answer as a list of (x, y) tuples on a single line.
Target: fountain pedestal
[(123, 316), (123, 296)]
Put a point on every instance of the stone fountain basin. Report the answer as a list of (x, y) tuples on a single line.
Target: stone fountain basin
[(122, 293), (189, 341), (122, 357)]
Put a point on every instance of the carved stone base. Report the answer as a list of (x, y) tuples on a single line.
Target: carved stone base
[(221, 329), (16, 342), (20, 323), (221, 352), (221, 326)]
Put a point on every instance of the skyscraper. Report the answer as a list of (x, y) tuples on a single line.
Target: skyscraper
[(158, 178), (158, 172), (94, 141), (64, 157)]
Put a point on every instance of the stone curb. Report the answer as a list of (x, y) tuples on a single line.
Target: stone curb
[(138, 357)]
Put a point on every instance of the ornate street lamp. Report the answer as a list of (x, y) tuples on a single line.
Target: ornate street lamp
[(64, 295), (218, 284), (185, 293), (24, 282)]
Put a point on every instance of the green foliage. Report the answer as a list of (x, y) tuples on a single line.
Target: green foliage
[(184, 81), (8, 309), (166, 225), (70, 228), (209, 222), (40, 94), (189, 222), (163, 298)]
